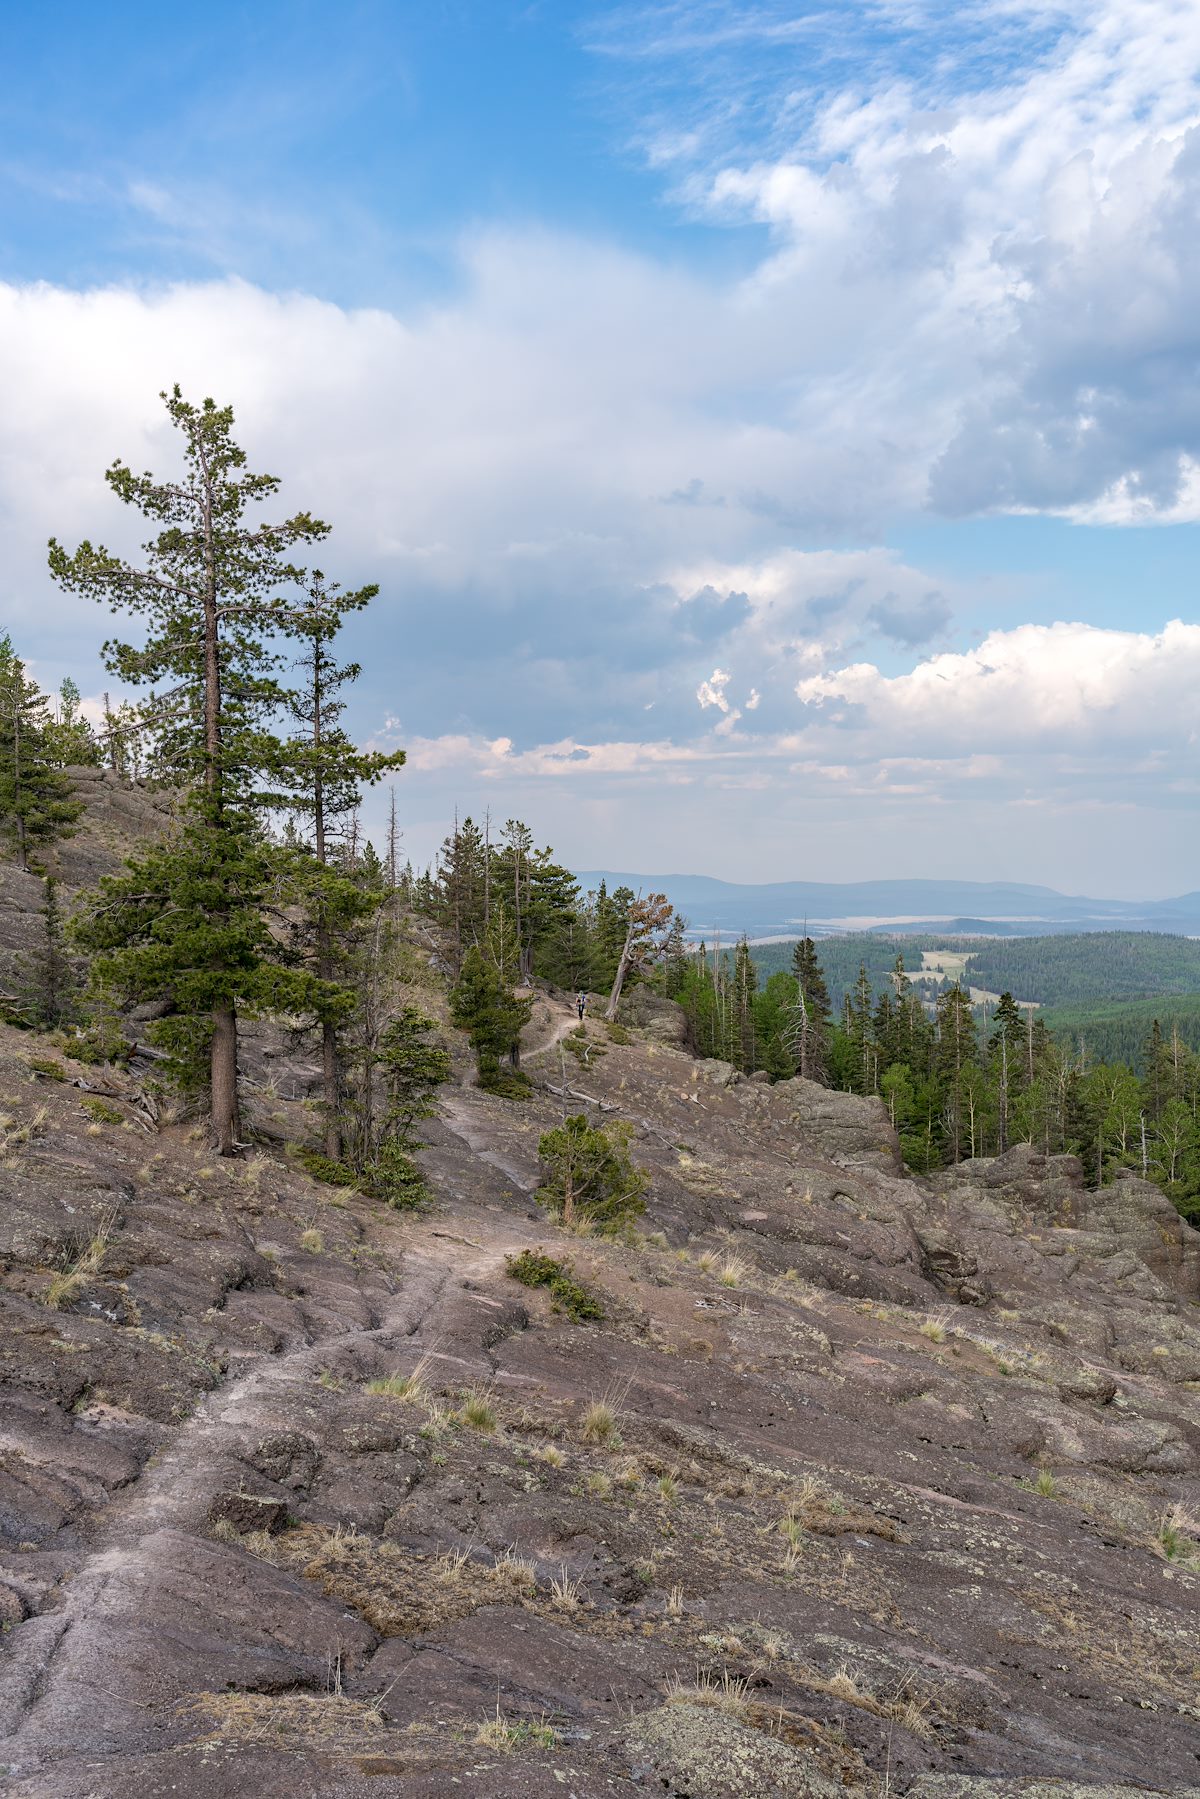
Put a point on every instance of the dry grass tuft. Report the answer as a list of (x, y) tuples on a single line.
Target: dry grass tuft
[(312, 1241), (67, 1284), (402, 1386), (733, 1271), (567, 1593), (726, 1693), (934, 1327), (599, 1424), (478, 1412), (500, 1734)]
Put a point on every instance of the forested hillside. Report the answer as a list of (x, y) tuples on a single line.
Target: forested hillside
[(1120, 1032), (1105, 965), (1067, 970)]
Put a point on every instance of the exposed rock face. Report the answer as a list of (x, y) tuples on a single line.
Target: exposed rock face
[(120, 815), (899, 1495), (659, 1019)]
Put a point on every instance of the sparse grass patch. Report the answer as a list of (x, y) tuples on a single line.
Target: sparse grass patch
[(1178, 1538), (302, 1720), (66, 1285), (506, 1736)]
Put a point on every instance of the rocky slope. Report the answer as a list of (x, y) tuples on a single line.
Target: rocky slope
[(861, 1485)]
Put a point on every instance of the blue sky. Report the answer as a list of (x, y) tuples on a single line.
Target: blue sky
[(774, 427)]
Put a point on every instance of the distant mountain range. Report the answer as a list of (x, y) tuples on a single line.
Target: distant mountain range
[(959, 908)]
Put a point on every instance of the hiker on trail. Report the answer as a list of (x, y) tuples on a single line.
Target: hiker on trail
[(581, 1006)]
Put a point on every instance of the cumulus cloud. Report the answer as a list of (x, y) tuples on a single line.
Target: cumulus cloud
[(1069, 687), (986, 224)]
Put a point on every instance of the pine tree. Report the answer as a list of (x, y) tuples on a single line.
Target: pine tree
[(70, 738), (860, 1028), (36, 805), (956, 1055), (52, 985), (1008, 1031), (484, 1005), (413, 1068), (811, 1027), (319, 778), (589, 1176), (187, 919)]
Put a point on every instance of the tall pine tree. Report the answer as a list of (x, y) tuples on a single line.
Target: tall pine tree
[(215, 592)]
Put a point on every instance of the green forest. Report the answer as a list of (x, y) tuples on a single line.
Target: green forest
[(1070, 970), (266, 898)]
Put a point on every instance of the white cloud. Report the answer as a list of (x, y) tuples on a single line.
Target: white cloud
[(712, 691), (993, 261), (1068, 687)]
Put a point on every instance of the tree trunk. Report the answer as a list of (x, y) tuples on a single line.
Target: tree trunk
[(331, 1087), (614, 998), (223, 1067), (224, 1080)]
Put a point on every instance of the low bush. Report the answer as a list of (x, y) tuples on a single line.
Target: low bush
[(533, 1268)]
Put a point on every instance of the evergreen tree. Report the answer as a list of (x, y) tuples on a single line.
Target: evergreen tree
[(413, 1068), (956, 1053), (860, 1029), (36, 804), (51, 983), (319, 775), (484, 1005), (187, 919), (1004, 1048), (589, 1176), (70, 739), (811, 1025)]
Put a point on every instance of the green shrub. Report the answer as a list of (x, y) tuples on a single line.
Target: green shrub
[(618, 1033), (508, 1083), (46, 1067), (533, 1268), (101, 1112), (324, 1168), (393, 1177), (101, 1040)]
